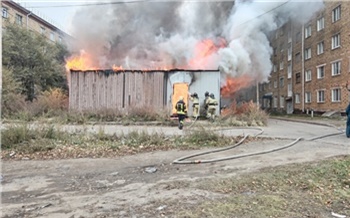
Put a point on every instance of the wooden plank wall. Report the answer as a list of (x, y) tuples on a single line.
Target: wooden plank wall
[(97, 90)]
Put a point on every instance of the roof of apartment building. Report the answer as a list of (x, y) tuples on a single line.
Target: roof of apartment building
[(27, 12)]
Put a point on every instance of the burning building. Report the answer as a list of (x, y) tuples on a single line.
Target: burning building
[(123, 90), (232, 37)]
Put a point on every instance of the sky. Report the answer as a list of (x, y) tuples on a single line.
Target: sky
[(58, 13)]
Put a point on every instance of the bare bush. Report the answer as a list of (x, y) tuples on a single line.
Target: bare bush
[(49, 103), (12, 104), (246, 114)]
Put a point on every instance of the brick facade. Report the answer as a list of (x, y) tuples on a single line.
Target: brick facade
[(308, 85), (15, 13)]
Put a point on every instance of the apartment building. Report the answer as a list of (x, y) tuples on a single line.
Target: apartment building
[(311, 63), (15, 13)]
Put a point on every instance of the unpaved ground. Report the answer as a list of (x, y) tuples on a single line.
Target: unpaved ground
[(121, 187)]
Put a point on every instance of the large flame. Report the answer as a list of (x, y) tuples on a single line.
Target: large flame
[(80, 62), (234, 84), (204, 50)]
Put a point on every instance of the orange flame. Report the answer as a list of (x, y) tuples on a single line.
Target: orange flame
[(80, 62), (117, 68), (235, 84), (205, 49)]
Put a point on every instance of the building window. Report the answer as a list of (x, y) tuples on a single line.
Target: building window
[(336, 95), (298, 78), (320, 24), (42, 30), (281, 82), (336, 68), (275, 102), (298, 37), (308, 75), (308, 31), (18, 19), (52, 36), (307, 53), (290, 89), (275, 84), (275, 51), (5, 12), (320, 48), (289, 69), (289, 36), (274, 68), (281, 101), (336, 13), (60, 39), (320, 96), (297, 98), (320, 72), (297, 57), (336, 41), (289, 52), (281, 65), (307, 97)]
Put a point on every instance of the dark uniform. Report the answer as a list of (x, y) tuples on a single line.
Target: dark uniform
[(181, 111), (347, 111)]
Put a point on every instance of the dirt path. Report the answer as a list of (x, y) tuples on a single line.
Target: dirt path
[(121, 187)]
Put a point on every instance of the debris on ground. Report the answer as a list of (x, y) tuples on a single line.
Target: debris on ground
[(151, 170)]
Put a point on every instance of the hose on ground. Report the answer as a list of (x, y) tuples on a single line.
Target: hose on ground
[(183, 160)]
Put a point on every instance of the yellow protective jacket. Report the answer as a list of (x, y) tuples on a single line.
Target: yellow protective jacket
[(195, 101), (211, 102)]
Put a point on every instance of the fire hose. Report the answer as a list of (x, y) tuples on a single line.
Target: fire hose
[(183, 160)]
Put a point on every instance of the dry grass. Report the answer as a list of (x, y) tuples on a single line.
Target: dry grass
[(296, 190), (246, 114), (48, 142), (48, 104)]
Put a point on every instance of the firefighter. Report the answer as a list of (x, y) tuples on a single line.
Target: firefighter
[(181, 111), (211, 103), (347, 111), (195, 105), (206, 96)]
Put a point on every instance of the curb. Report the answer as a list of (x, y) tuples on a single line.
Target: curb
[(304, 121)]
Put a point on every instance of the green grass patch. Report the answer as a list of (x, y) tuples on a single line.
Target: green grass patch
[(48, 142), (298, 190)]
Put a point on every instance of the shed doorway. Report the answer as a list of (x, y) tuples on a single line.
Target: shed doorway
[(179, 89)]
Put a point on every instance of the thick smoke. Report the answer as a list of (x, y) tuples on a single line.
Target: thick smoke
[(173, 34)]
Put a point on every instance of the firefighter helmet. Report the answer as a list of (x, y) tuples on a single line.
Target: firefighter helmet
[(181, 98), (206, 94), (212, 95)]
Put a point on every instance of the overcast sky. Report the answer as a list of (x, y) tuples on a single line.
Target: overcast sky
[(51, 11)]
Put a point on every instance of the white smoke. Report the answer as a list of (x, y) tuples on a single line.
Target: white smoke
[(249, 49), (155, 34)]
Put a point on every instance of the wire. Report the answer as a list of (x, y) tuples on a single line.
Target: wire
[(264, 13), (95, 4)]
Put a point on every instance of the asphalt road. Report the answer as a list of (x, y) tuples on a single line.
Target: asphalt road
[(121, 187)]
